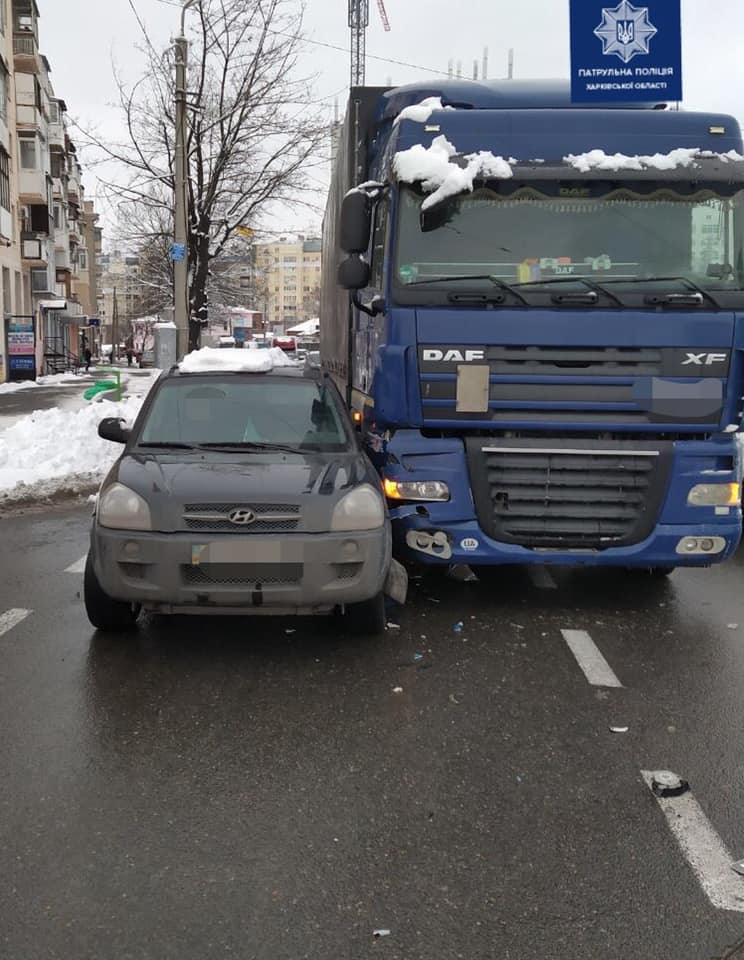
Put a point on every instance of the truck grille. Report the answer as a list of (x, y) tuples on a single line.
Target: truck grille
[(585, 361), (569, 497), (213, 517)]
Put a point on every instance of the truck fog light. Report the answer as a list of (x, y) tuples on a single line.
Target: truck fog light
[(131, 549), (714, 495), (699, 545), (416, 490)]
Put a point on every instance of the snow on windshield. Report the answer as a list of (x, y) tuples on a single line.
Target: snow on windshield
[(213, 359), (442, 178), (420, 112)]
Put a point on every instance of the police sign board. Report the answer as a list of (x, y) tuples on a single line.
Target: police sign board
[(625, 52)]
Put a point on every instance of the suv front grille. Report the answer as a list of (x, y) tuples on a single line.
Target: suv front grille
[(270, 517), (571, 497), (241, 574)]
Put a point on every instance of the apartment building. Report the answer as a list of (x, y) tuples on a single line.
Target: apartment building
[(48, 282), (121, 294), (286, 278)]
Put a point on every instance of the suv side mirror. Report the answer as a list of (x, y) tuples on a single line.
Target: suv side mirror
[(353, 273), (111, 429), (355, 223)]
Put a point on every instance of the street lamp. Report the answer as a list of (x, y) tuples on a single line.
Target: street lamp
[(181, 235)]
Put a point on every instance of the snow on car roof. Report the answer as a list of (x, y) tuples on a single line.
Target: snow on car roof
[(227, 360)]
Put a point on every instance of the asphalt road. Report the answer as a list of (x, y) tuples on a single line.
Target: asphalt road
[(229, 789)]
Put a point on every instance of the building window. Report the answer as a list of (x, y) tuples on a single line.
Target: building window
[(54, 111), (28, 152), (83, 260), (39, 281), (4, 180)]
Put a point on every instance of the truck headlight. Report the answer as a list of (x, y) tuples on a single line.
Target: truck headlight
[(416, 490), (362, 509), (715, 495), (122, 509)]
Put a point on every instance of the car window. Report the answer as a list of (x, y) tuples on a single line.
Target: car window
[(296, 412)]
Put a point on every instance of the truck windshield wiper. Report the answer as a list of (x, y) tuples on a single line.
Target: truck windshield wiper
[(249, 445), (496, 281), (690, 284), (591, 284)]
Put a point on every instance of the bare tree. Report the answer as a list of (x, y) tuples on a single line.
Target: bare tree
[(254, 136)]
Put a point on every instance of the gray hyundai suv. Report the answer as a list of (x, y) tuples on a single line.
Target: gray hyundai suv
[(239, 492)]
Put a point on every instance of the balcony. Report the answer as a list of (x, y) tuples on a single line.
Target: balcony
[(26, 52), (56, 136), (73, 188), (32, 186), (34, 250)]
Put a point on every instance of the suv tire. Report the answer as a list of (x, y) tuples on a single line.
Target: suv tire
[(103, 611), (367, 618)]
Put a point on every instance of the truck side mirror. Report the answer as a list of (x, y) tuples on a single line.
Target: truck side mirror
[(353, 273), (356, 222)]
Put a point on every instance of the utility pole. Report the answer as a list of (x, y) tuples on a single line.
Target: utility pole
[(115, 329), (181, 232)]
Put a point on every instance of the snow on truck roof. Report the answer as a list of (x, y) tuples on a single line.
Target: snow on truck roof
[(234, 360)]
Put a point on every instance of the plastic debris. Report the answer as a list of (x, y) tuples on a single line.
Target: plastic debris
[(664, 783), (290, 631), (418, 656), (397, 689), (733, 626), (619, 729), (393, 626), (380, 933), (453, 698), (458, 626), (738, 867), (433, 600)]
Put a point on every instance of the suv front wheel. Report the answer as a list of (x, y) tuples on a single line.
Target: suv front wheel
[(367, 618), (103, 611)]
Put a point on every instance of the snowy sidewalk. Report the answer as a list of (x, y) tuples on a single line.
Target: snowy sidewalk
[(49, 444)]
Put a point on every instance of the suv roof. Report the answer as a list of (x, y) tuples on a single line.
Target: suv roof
[(298, 372)]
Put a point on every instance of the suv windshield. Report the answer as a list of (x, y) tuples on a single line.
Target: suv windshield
[(521, 233), (237, 410)]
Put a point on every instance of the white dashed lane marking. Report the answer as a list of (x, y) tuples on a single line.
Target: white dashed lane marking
[(78, 566), (703, 849), (588, 656), (11, 618)]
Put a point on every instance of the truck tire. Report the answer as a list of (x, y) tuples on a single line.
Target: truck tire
[(367, 618), (103, 611)]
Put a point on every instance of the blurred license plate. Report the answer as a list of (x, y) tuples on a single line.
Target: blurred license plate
[(248, 550)]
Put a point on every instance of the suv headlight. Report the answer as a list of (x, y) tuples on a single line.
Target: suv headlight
[(361, 509), (714, 495), (122, 509)]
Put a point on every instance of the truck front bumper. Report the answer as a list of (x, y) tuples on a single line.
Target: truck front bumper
[(466, 543), (297, 574)]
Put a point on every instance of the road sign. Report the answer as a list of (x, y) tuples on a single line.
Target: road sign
[(178, 251), (624, 52)]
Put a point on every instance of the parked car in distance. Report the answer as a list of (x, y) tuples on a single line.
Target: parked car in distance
[(242, 488)]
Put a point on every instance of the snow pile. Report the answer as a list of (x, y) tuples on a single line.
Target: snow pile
[(599, 160), (420, 112), (60, 449), (442, 178), (54, 379), (216, 360)]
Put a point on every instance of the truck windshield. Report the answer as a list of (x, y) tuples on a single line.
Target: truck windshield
[(522, 233)]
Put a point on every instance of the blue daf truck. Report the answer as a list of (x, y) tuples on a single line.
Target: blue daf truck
[(536, 312)]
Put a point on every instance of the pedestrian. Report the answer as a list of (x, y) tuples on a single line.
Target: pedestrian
[(87, 356), (130, 356)]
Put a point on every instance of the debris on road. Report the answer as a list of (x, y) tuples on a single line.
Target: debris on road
[(418, 656), (664, 783), (458, 626), (290, 631), (393, 626), (619, 729), (453, 699), (397, 689), (733, 626), (380, 933)]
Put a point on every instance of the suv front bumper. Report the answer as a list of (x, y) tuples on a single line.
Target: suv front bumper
[(297, 573)]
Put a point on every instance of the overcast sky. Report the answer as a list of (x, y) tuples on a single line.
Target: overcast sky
[(81, 37)]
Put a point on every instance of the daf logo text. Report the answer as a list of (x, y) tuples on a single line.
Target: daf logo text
[(454, 356)]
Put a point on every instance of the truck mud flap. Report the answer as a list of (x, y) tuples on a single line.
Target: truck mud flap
[(396, 585)]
